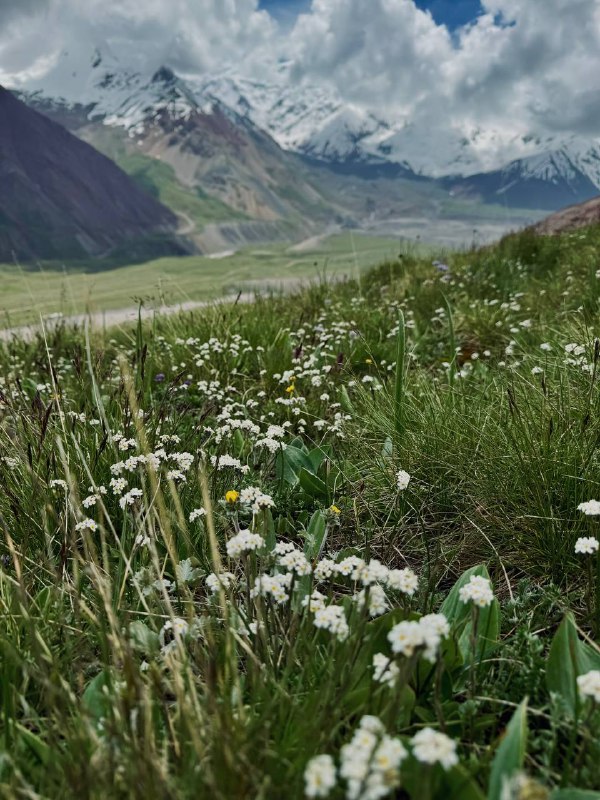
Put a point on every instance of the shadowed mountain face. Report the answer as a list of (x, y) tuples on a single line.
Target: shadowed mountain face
[(60, 198)]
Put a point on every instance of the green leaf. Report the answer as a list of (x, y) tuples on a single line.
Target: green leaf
[(96, 701), (459, 785), (38, 747), (143, 638), (510, 754), (317, 455), (312, 485), (290, 462), (387, 451), (574, 794), (459, 615), (568, 658), (345, 401), (454, 784), (315, 535)]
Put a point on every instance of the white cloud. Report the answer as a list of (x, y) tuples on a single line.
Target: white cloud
[(197, 35), (523, 66)]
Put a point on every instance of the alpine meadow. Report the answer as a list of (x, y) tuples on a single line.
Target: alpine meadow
[(342, 543), (299, 400)]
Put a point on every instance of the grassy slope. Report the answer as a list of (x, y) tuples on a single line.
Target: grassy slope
[(26, 294), (160, 180), (500, 437)]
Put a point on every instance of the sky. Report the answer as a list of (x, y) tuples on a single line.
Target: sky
[(489, 69), (452, 13)]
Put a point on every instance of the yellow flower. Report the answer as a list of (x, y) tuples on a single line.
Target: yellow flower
[(368, 360), (335, 510), (291, 388), (231, 496)]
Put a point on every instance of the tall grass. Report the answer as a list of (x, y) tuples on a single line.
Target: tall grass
[(142, 654)]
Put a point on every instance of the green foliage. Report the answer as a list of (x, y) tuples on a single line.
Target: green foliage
[(128, 668)]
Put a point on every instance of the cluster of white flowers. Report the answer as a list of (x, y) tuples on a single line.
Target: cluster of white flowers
[(87, 525), (589, 685), (197, 513), (587, 545), (118, 485), (274, 586), (385, 670), (225, 461), (477, 591), (223, 579), (378, 602), (402, 480), (368, 573), (244, 542), (370, 762), (332, 618), (295, 561), (590, 508), (130, 498), (254, 498), (319, 776), (403, 580), (426, 634), (433, 747)]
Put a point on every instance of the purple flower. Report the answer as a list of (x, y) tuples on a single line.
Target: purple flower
[(159, 377)]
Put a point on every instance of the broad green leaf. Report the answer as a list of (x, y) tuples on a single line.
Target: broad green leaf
[(143, 638), (510, 754), (459, 785), (459, 615), (95, 699), (568, 658), (315, 535), (312, 485), (289, 462), (317, 455), (454, 784)]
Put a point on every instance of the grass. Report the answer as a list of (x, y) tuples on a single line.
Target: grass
[(159, 179), (210, 575), (27, 293)]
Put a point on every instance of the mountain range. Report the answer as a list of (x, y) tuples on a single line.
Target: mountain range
[(238, 160)]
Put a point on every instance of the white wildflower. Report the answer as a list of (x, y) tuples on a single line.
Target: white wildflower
[(589, 685), (403, 580), (384, 669), (244, 542), (478, 591), (433, 747), (319, 776), (402, 480), (214, 581), (587, 545), (590, 508), (332, 619)]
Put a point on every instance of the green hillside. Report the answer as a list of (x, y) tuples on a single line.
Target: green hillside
[(341, 543)]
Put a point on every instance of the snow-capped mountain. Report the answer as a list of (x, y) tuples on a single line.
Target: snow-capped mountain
[(307, 119), (568, 172), (497, 166)]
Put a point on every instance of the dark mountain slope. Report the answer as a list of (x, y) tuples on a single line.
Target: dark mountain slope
[(60, 198)]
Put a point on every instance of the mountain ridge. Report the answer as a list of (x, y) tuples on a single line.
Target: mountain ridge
[(60, 197)]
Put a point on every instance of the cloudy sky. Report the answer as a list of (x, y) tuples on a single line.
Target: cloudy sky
[(522, 65)]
